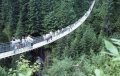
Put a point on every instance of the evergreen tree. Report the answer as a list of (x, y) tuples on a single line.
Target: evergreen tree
[(80, 7), (88, 40), (22, 29), (3, 37), (5, 7), (115, 20), (9, 24), (59, 16), (34, 20), (9, 14), (107, 19)]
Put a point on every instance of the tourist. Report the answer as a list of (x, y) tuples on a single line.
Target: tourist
[(44, 37), (30, 41), (47, 37), (68, 28), (63, 30), (13, 44), (51, 35), (23, 42), (55, 34), (18, 43), (58, 33)]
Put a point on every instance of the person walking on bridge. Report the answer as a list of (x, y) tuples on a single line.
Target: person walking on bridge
[(47, 37), (51, 35), (23, 42), (18, 43), (13, 44), (30, 41)]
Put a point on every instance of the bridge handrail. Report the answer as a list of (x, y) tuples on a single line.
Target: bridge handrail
[(5, 47), (39, 39)]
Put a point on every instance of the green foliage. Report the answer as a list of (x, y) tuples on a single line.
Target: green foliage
[(59, 16), (80, 7), (114, 52), (87, 66), (111, 48), (22, 17), (88, 40), (59, 68), (116, 41), (20, 30), (3, 71), (3, 37), (99, 72), (10, 18), (24, 68), (74, 48), (75, 43), (108, 65), (33, 16)]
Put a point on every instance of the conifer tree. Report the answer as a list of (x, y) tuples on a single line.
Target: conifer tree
[(34, 20), (60, 14), (80, 7), (88, 40), (3, 37), (108, 16), (9, 25), (116, 19), (22, 29), (9, 15)]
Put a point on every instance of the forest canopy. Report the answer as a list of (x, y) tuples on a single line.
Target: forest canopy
[(88, 46)]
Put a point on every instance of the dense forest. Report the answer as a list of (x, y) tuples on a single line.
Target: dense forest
[(88, 51)]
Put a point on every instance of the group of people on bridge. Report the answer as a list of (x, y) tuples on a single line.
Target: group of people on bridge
[(16, 43), (27, 42)]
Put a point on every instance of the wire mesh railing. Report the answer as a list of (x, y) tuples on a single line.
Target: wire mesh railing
[(6, 47)]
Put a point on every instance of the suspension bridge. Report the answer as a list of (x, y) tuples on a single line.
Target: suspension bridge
[(5, 48)]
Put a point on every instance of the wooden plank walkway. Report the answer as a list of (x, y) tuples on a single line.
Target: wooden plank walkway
[(37, 45)]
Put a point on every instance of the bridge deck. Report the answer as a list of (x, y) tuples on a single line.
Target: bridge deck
[(37, 45)]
